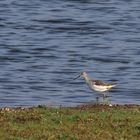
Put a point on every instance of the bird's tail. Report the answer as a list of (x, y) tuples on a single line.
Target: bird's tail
[(113, 85)]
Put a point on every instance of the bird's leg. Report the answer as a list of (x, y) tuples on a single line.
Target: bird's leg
[(106, 99), (97, 99), (104, 96)]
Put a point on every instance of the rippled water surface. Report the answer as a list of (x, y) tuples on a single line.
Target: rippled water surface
[(44, 44)]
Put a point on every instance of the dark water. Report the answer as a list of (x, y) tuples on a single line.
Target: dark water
[(45, 44)]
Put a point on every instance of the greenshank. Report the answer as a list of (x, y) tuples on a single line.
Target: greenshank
[(96, 85)]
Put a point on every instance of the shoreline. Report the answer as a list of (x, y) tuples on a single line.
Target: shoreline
[(77, 107)]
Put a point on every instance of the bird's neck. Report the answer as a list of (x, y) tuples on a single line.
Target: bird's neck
[(87, 79)]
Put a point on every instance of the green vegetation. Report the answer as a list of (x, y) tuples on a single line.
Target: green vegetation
[(87, 122)]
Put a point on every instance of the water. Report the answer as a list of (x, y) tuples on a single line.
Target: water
[(45, 44)]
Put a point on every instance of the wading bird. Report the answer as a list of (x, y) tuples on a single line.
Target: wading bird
[(96, 85)]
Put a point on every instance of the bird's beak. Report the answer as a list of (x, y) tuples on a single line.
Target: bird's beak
[(77, 77)]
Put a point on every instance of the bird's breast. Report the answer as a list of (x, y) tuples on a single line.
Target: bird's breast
[(100, 88)]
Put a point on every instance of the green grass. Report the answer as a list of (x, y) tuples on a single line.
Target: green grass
[(97, 122)]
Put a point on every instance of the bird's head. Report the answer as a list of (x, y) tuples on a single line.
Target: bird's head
[(82, 74)]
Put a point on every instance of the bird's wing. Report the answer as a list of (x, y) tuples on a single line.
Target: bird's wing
[(102, 83)]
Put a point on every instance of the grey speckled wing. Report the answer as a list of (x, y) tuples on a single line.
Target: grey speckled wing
[(100, 83)]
